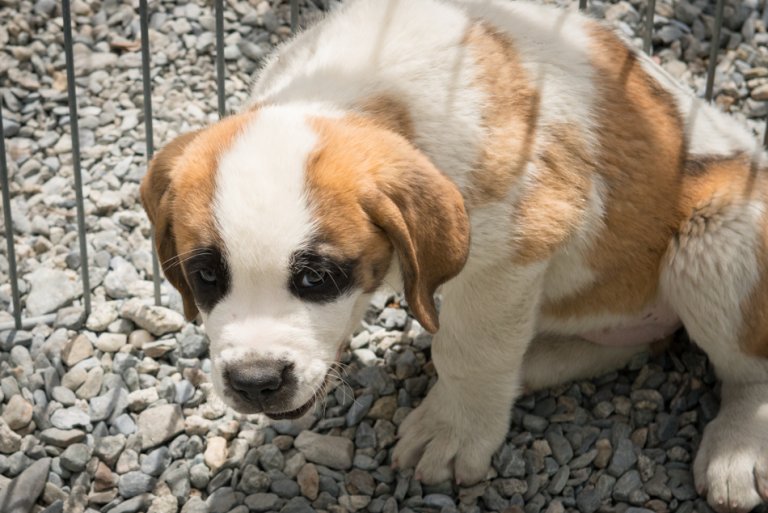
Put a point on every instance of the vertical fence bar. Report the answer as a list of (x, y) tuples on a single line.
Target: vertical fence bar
[(765, 134), (220, 56), (148, 132), (649, 13), (714, 49), (8, 217), (582, 5), (294, 15), (75, 132)]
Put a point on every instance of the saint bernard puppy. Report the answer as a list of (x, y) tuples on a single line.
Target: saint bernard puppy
[(570, 201)]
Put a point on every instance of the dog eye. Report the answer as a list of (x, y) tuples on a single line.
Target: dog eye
[(318, 278), (311, 279), (207, 275)]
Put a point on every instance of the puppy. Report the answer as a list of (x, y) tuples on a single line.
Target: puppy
[(572, 202)]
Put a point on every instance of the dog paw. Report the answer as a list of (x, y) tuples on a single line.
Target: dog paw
[(731, 466), (447, 438)]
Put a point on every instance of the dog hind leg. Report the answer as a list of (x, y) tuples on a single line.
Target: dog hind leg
[(715, 277)]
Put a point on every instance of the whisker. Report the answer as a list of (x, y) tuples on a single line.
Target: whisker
[(179, 262), (184, 257)]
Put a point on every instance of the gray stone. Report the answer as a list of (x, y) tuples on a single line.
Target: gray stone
[(628, 483), (165, 504), (124, 424), (251, 50), (70, 418), (184, 391), (406, 365), (61, 438), (160, 424), (109, 448), (509, 462), (559, 480), (17, 413), (393, 318), (222, 500), (623, 459), (254, 480), (377, 379), (140, 399), (534, 423), (200, 476), (354, 502), (365, 436), (71, 317), (133, 505), (159, 348), (50, 290), (109, 406), (285, 488), (155, 319), (21, 494), (46, 7), (156, 461), (111, 342), (359, 409), (75, 457), (195, 505), (438, 500), (589, 500), (101, 316), (262, 502), (270, 457), (63, 395), (92, 384), (332, 451), (193, 346), (561, 448), (122, 274), (135, 483), (359, 482)]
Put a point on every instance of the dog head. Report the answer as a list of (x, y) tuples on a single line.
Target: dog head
[(277, 224)]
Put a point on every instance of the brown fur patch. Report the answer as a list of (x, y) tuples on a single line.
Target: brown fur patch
[(552, 208), (754, 337), (178, 192), (388, 112), (372, 193), (509, 119), (641, 154)]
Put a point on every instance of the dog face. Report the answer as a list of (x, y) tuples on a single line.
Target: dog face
[(277, 224)]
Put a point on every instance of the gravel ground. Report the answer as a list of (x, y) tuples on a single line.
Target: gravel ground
[(115, 412)]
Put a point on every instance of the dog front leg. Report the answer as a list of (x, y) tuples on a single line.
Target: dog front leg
[(487, 322)]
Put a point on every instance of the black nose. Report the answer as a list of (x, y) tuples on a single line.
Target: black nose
[(259, 382)]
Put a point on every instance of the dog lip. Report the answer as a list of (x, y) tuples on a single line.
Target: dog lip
[(292, 414)]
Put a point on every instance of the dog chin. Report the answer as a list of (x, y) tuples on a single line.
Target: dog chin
[(246, 408)]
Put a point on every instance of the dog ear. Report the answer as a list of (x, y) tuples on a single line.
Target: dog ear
[(422, 212), (157, 198)]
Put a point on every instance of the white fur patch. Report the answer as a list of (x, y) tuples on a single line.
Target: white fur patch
[(260, 205), (262, 214), (569, 270), (708, 275)]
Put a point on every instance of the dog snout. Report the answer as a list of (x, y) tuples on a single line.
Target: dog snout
[(266, 384)]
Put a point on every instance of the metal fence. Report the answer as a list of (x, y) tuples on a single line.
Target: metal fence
[(19, 322)]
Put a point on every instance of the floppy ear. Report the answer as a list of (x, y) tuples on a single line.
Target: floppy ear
[(157, 199), (423, 214)]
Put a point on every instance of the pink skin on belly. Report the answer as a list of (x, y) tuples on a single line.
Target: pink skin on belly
[(653, 324)]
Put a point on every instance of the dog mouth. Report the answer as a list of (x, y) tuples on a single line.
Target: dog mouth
[(292, 414), (319, 393)]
